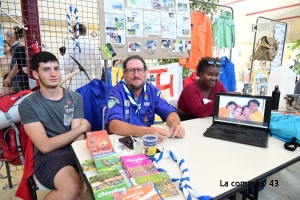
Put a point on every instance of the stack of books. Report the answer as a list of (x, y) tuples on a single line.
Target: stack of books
[(120, 176), (110, 176)]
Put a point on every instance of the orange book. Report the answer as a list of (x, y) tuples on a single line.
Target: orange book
[(98, 143), (142, 192)]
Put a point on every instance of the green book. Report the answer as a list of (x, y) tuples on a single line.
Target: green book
[(108, 163), (107, 183), (162, 182)]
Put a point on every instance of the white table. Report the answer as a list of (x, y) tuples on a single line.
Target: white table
[(212, 162)]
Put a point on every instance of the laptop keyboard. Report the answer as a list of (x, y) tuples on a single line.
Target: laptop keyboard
[(240, 131), (241, 135)]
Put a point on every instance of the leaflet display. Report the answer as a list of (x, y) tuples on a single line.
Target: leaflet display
[(152, 29)]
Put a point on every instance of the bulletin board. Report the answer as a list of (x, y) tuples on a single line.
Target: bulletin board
[(153, 29)]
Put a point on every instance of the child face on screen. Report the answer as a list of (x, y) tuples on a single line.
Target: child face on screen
[(237, 112), (231, 108), (246, 112)]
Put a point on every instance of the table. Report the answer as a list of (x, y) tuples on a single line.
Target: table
[(212, 162)]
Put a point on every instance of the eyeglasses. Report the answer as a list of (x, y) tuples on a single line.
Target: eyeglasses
[(213, 62), (132, 70)]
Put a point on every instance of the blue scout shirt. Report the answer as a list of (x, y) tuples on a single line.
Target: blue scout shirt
[(151, 101), (94, 95)]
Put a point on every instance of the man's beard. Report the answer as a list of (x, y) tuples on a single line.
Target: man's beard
[(47, 86), (135, 87)]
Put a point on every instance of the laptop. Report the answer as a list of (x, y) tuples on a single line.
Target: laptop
[(241, 118)]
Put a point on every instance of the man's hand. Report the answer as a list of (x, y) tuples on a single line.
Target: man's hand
[(162, 134), (178, 131), (7, 81)]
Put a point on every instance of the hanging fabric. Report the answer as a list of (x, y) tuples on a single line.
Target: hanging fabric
[(224, 31), (227, 74), (74, 9), (201, 39)]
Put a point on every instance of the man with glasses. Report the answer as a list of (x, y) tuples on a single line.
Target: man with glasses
[(133, 103)]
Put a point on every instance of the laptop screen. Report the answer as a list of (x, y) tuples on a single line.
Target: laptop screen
[(243, 110)]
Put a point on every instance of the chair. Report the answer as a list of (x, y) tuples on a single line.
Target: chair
[(35, 185), (29, 178), (174, 103)]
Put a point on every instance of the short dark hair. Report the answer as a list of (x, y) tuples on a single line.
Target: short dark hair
[(114, 62), (19, 32), (254, 101), (203, 64), (62, 50), (135, 57), (81, 27), (44, 57), (230, 103), (243, 108)]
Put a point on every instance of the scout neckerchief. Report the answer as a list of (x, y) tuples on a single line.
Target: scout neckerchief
[(73, 8), (132, 101), (184, 181)]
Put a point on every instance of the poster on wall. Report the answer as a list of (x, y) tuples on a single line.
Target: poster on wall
[(168, 78), (279, 35), (134, 22), (114, 29), (153, 29), (260, 82)]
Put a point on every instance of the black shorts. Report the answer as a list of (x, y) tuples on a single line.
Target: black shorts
[(47, 165)]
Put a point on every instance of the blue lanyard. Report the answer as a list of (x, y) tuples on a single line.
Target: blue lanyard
[(184, 181)]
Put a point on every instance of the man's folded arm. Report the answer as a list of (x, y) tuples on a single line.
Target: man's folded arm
[(38, 136)]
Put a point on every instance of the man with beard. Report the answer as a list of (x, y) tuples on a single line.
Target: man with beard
[(53, 118), (133, 103)]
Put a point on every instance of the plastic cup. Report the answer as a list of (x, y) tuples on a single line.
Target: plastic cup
[(150, 142), (138, 147)]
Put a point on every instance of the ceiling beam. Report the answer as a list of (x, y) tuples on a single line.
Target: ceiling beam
[(233, 2), (286, 18), (273, 9)]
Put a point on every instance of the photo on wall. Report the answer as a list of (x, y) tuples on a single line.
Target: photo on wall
[(134, 47), (150, 44), (166, 44)]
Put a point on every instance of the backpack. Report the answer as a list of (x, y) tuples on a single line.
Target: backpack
[(13, 138), (285, 127), (266, 49)]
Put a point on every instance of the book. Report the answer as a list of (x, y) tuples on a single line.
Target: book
[(99, 143), (108, 163), (105, 184), (137, 165), (88, 165), (162, 182), (144, 191)]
